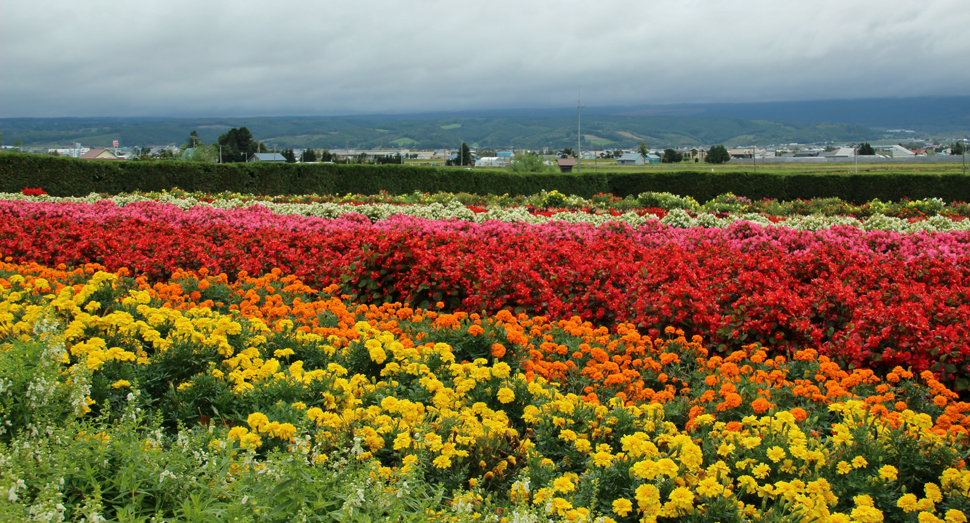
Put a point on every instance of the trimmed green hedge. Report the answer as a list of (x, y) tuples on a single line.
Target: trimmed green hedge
[(70, 177)]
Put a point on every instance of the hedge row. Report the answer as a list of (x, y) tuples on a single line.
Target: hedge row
[(71, 177)]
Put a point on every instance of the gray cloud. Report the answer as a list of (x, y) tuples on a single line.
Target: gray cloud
[(289, 57)]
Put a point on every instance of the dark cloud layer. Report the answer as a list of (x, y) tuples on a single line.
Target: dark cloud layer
[(244, 58)]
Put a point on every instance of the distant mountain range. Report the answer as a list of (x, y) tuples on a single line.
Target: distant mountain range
[(602, 127)]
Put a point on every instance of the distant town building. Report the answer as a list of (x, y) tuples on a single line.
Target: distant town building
[(631, 159), (489, 161), (100, 154), (566, 164), (898, 151), (267, 157)]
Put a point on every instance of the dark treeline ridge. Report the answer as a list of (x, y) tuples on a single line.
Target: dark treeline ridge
[(60, 176)]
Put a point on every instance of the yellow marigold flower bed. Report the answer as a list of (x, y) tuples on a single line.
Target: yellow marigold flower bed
[(507, 414)]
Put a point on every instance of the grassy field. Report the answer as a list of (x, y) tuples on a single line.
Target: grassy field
[(808, 168)]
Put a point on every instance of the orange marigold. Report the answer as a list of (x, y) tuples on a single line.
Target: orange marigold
[(761, 405), (731, 401)]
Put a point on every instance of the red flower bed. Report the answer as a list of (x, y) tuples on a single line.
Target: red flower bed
[(873, 309)]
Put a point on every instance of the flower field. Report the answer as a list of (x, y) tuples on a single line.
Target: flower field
[(173, 361)]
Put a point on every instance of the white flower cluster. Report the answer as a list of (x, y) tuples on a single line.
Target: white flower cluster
[(454, 210)]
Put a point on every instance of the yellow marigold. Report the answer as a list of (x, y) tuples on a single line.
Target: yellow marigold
[(859, 462), (120, 383), (682, 498), (602, 459), (257, 421), (646, 469), (250, 441), (867, 514), (955, 516), (709, 487), (563, 484), (668, 468), (506, 395), (928, 517), (776, 454), (237, 432), (843, 468), (377, 354), (622, 507), (761, 471), (402, 441), (907, 502), (560, 505), (889, 473), (442, 462), (284, 431), (648, 498)]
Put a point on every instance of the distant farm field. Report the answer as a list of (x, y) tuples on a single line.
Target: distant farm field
[(807, 168)]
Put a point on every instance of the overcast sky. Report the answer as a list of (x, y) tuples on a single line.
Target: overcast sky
[(289, 57)]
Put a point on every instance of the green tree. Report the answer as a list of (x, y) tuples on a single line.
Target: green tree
[(865, 150), (327, 156), (289, 155), (464, 157), (957, 148), (202, 153), (238, 145), (643, 149), (192, 140), (717, 155), (308, 156), (672, 156), (529, 163), (567, 153), (390, 158)]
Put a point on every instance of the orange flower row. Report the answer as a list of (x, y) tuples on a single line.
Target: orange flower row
[(624, 363)]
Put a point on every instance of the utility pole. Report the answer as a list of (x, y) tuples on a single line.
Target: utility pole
[(963, 150), (579, 134), (754, 154)]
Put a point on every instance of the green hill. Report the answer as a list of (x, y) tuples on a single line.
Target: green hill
[(498, 132)]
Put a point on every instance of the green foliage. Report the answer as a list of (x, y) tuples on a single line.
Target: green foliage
[(202, 153), (60, 176), (463, 159), (958, 148), (642, 149), (665, 200), (309, 156), (672, 156), (238, 145), (34, 394), (529, 163), (717, 155), (866, 150)]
